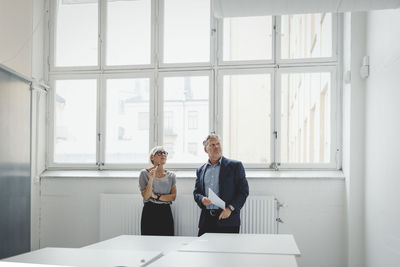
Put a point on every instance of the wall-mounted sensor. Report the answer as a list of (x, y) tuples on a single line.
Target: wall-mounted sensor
[(364, 70)]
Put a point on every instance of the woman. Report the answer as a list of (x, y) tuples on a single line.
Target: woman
[(158, 187)]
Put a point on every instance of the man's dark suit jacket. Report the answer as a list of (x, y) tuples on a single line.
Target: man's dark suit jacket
[(233, 189)]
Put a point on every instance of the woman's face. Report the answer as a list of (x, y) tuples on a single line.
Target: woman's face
[(160, 157)]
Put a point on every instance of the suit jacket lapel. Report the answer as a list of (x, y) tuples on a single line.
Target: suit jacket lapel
[(203, 171), (221, 177)]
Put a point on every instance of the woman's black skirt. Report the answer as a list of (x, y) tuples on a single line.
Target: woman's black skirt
[(157, 219)]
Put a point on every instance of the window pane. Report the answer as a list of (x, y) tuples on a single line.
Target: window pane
[(75, 121), (128, 32), (127, 130), (186, 31), (186, 118), (76, 33), (306, 36), (305, 118), (237, 33), (247, 117)]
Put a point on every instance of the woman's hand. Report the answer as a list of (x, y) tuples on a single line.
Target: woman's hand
[(153, 171)]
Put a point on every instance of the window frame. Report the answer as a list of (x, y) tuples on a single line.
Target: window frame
[(103, 117), (51, 125), (153, 23), (263, 62), (215, 69), (219, 107), (160, 43), (334, 118), (51, 58), (160, 108), (333, 59)]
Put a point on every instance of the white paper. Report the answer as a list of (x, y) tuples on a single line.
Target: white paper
[(215, 199)]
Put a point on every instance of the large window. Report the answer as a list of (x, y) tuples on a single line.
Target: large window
[(127, 75)]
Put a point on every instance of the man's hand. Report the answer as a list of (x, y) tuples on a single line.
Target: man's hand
[(205, 201), (225, 213)]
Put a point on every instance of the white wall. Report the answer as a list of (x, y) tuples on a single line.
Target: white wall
[(354, 48), (15, 32), (382, 180), (315, 212)]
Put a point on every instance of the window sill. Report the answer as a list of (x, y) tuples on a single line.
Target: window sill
[(250, 174)]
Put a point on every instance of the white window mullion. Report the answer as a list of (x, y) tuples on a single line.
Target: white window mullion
[(159, 111), (102, 33), (155, 32), (276, 41), (214, 117), (218, 95), (156, 88), (335, 36), (50, 124), (160, 33), (155, 104), (335, 121), (276, 118), (52, 35), (276, 85), (101, 121), (219, 42), (101, 99), (214, 36)]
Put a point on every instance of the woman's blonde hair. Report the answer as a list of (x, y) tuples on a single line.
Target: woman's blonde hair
[(153, 151)]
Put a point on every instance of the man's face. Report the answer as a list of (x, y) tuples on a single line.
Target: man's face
[(213, 149)]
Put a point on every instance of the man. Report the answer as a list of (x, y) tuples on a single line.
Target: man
[(227, 179)]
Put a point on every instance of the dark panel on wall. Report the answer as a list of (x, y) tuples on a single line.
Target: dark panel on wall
[(15, 125)]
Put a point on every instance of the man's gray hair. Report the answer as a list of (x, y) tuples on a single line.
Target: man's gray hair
[(211, 135)]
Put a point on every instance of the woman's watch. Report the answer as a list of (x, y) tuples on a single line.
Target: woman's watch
[(158, 196)]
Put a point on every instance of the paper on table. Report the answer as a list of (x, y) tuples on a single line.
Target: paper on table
[(215, 199)]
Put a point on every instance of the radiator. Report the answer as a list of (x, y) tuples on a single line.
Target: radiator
[(120, 214)]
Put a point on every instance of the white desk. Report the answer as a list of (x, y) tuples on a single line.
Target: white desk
[(201, 259), (87, 257), (164, 244), (19, 264), (244, 243)]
